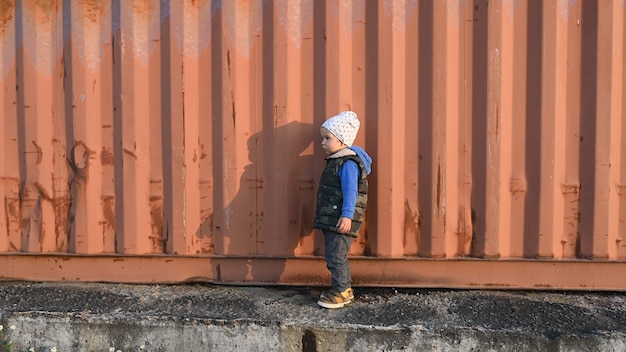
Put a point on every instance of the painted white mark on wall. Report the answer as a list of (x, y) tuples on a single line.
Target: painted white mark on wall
[(43, 35), (348, 12), (141, 29), (241, 24), (455, 9), (294, 17), (510, 7), (400, 11), (91, 29), (565, 6), (191, 26)]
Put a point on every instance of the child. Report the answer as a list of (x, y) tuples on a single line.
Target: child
[(341, 201)]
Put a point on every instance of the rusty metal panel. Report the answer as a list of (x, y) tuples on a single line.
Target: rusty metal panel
[(152, 131)]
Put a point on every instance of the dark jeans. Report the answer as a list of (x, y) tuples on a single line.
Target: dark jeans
[(336, 254)]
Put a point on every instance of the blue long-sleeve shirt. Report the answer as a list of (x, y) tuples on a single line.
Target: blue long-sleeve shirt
[(349, 176)]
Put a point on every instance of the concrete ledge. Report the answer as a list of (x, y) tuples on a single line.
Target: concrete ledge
[(198, 317)]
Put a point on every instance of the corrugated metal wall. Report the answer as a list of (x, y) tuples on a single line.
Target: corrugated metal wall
[(151, 132)]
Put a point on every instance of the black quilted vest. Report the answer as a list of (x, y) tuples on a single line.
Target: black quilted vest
[(330, 197)]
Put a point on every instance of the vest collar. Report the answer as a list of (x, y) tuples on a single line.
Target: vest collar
[(341, 153)]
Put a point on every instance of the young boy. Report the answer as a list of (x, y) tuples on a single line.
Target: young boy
[(341, 201)]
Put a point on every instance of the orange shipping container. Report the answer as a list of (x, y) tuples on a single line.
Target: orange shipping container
[(171, 141)]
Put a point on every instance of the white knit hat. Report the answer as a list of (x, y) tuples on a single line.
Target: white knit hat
[(344, 126)]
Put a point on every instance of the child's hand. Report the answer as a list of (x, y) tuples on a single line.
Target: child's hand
[(344, 225)]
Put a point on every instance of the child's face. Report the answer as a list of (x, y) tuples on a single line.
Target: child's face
[(330, 143)]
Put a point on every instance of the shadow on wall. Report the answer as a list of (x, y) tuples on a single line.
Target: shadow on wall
[(272, 213)]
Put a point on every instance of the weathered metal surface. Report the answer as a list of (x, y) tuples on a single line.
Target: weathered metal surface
[(309, 270), (189, 129)]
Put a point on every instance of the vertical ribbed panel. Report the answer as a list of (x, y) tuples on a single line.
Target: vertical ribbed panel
[(91, 154), (10, 231), (192, 127), (41, 134)]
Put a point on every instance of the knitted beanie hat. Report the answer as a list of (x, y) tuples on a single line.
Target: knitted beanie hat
[(344, 126)]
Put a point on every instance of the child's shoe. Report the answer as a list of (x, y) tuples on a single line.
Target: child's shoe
[(334, 299), (348, 291)]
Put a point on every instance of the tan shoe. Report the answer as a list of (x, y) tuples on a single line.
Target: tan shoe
[(334, 299)]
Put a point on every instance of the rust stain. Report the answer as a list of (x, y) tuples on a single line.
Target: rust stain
[(14, 219), (81, 155), (130, 152), (518, 187), (107, 156), (304, 184), (202, 152), (7, 10), (13, 207), (206, 226), (464, 233), (80, 161), (144, 7), (108, 211), (205, 233), (40, 224), (306, 218), (570, 188), (196, 4), (44, 10), (439, 187), (156, 216), (44, 192), (61, 205), (255, 183), (93, 10), (411, 229), (39, 152)]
